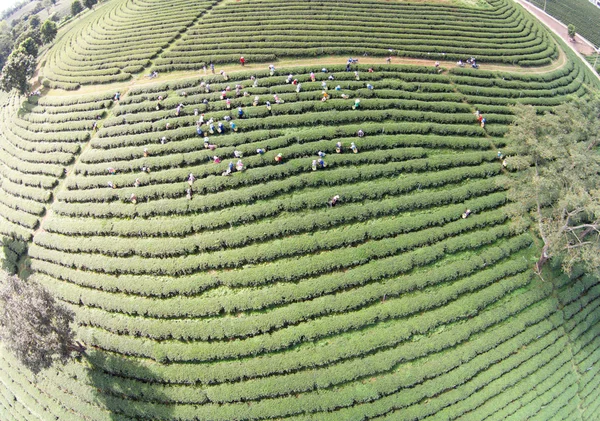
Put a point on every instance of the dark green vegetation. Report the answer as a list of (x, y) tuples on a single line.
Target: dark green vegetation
[(581, 13), (248, 297)]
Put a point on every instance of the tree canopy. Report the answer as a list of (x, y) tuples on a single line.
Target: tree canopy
[(30, 46), (48, 31), (17, 71), (76, 7), (32, 324), (90, 3), (560, 180)]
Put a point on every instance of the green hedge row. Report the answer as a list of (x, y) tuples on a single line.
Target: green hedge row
[(271, 189), (332, 375), (408, 351), (299, 169), (378, 337), (283, 227), (280, 339), (278, 294), (385, 385), (238, 258), (359, 192), (250, 325)]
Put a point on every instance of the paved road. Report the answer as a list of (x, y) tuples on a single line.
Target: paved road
[(580, 45)]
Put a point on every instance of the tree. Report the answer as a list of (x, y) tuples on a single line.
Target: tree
[(30, 46), (17, 71), (34, 21), (571, 31), (76, 8), (48, 31), (6, 43), (33, 325), (33, 33), (560, 180), (90, 3)]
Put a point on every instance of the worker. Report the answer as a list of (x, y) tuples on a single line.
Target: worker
[(333, 201), (356, 104)]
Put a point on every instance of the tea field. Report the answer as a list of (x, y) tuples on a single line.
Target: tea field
[(266, 270)]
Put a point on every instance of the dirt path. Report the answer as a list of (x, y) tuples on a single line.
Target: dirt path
[(581, 45), (141, 79)]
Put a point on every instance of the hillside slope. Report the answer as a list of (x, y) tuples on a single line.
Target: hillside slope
[(245, 296)]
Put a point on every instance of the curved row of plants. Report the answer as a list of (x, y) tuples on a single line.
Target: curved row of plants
[(252, 299), (268, 30)]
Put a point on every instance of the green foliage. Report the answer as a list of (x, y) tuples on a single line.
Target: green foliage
[(16, 72), (251, 298), (30, 47), (565, 201), (14, 250), (89, 3), (76, 7), (571, 30), (48, 31), (33, 325), (34, 21)]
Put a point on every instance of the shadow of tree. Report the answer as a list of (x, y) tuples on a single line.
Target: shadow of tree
[(126, 387)]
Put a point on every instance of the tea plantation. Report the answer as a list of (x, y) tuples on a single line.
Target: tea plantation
[(252, 294)]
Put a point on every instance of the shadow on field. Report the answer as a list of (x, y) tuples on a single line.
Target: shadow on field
[(119, 387)]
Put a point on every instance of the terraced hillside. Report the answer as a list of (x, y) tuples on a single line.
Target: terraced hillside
[(119, 39), (244, 296)]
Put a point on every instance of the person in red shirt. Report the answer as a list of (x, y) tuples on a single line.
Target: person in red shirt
[(242, 61)]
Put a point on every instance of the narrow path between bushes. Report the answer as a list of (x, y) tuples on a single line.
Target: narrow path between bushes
[(68, 169), (318, 62)]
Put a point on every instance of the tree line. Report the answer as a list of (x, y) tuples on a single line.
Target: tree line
[(19, 45)]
